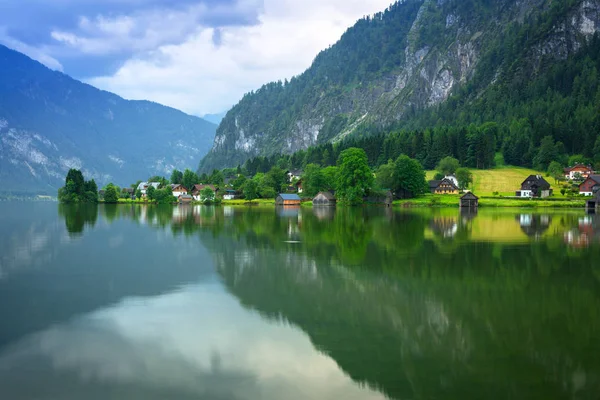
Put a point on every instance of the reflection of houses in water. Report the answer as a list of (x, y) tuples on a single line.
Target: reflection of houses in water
[(534, 225), (293, 216), (586, 232), (444, 226), (324, 213)]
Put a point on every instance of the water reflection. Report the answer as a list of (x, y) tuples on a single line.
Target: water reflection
[(229, 302), (195, 343)]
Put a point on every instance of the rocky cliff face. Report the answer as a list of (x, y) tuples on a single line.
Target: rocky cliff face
[(440, 52), (50, 123)]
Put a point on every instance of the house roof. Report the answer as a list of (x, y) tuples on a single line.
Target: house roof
[(595, 178), (578, 166), (145, 185), (535, 180), (327, 195), (198, 188), (285, 196), (469, 195), (434, 184)]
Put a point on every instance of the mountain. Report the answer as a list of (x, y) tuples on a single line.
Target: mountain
[(215, 118), (426, 63), (50, 122)]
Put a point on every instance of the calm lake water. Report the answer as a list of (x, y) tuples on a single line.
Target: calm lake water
[(133, 302)]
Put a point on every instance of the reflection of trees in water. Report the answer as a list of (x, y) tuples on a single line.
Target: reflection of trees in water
[(412, 316), (440, 332), (78, 216)]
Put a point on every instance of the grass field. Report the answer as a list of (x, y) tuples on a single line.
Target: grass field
[(505, 180)]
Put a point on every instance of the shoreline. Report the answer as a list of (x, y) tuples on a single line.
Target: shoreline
[(420, 202)]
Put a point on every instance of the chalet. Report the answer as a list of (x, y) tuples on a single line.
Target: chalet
[(590, 186), (581, 169), (469, 200), (534, 186), (229, 194), (324, 199), (199, 188), (185, 199), (294, 174), (299, 188), (288, 200), (445, 186), (143, 187), (178, 190)]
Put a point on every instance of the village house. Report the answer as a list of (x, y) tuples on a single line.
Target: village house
[(324, 199), (229, 194), (178, 190), (185, 198), (445, 186), (299, 188), (534, 186), (143, 187), (590, 186), (284, 199), (294, 174), (199, 188), (583, 170), (469, 200)]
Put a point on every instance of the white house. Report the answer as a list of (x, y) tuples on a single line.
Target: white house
[(143, 187), (178, 190)]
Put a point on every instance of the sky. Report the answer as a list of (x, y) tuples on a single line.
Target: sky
[(199, 56)]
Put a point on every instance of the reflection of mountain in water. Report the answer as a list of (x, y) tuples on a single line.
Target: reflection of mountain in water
[(98, 267)]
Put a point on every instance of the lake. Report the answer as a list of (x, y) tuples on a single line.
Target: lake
[(193, 302)]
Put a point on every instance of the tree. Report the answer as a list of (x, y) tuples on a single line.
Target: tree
[(138, 194), (111, 195), (279, 178), (176, 177), (150, 192), (355, 177), (546, 154), (159, 179), (448, 165), (250, 190), (438, 176), (330, 177), (578, 159), (313, 180), (386, 175), (409, 178), (464, 178), (77, 189), (207, 195), (216, 178), (239, 182), (189, 179), (556, 171)]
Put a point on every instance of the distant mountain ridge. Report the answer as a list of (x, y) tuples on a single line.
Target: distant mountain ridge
[(418, 64), (50, 122)]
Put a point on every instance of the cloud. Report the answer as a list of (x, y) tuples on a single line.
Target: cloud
[(213, 67), (39, 54), (196, 343)]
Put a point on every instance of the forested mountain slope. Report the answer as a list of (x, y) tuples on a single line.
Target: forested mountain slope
[(528, 65), (50, 122)]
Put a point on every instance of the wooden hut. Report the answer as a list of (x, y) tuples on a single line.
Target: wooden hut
[(324, 199), (594, 203), (185, 199), (288, 200), (469, 200)]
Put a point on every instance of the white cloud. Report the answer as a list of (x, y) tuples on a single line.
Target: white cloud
[(199, 77)]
